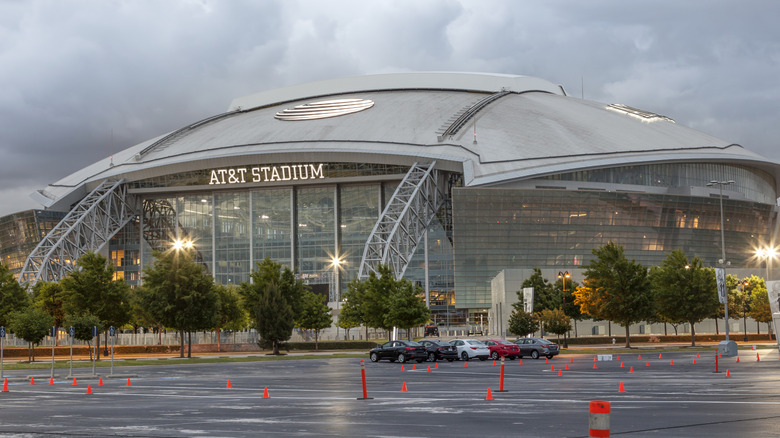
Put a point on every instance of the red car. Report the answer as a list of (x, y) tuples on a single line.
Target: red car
[(502, 348)]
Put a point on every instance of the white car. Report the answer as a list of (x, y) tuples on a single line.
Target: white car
[(471, 348)]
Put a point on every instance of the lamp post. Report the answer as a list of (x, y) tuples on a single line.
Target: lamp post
[(727, 347), (766, 254), (336, 262), (563, 276)]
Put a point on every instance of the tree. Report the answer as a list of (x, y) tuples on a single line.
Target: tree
[(32, 325), (376, 298), (148, 310), (272, 285), (759, 305), (522, 323), (92, 289), (82, 327), (620, 288), (186, 292), (354, 310), (315, 315), (406, 308), (273, 317), (554, 321), (49, 298), (544, 296), (13, 297), (231, 314), (684, 290), (348, 319)]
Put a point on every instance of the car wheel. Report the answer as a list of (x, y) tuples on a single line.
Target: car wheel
[(464, 356), (431, 357), (402, 358), (374, 357), (494, 355), (535, 354)]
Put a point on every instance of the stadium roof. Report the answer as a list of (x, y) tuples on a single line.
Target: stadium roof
[(493, 128)]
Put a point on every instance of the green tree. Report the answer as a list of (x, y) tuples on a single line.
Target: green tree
[(314, 316), (13, 297), (684, 290), (759, 304), (274, 317), (544, 295), (186, 292), (620, 288), (554, 321), (82, 327), (232, 315), (148, 310), (406, 307), (273, 285), (376, 299), (31, 325), (48, 297), (353, 310), (92, 289), (522, 323)]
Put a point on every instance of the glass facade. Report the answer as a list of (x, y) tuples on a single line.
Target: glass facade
[(21, 232), (498, 229)]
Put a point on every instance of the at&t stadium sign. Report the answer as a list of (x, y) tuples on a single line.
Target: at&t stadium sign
[(242, 175)]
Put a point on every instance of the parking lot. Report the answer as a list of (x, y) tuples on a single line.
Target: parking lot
[(320, 397)]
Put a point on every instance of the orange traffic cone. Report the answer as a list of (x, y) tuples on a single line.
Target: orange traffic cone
[(697, 355), (228, 384), (402, 367), (521, 361), (567, 367), (414, 366), (621, 365), (728, 374), (100, 382), (737, 358), (403, 388), (465, 364), (494, 363), (128, 382), (618, 357), (74, 382), (758, 359), (32, 380), (51, 380), (571, 360), (594, 366), (661, 356), (489, 395), (594, 359), (436, 365), (265, 393), (639, 358), (621, 388), (552, 367), (89, 389), (429, 368), (631, 370), (694, 361), (671, 362), (648, 364), (546, 360), (559, 373), (5, 385)]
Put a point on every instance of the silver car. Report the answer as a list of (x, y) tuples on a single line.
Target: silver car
[(471, 348)]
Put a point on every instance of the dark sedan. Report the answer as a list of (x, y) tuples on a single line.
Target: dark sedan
[(438, 350), (401, 351), (536, 347)]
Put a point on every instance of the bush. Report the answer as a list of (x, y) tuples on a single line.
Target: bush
[(330, 345)]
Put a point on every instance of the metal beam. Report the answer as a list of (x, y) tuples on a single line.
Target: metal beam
[(403, 223), (87, 227)]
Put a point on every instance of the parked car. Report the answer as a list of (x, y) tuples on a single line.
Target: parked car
[(502, 348), (471, 348), (439, 350), (536, 347), (400, 351)]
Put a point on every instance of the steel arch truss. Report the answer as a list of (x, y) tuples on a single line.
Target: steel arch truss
[(87, 227), (404, 220)]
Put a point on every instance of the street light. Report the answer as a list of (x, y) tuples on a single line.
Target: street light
[(563, 276), (727, 347), (769, 253), (745, 302)]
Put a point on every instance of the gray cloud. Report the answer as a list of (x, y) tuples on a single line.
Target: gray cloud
[(82, 79)]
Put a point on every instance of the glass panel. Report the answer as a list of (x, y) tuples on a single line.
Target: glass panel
[(272, 227), (316, 229), (359, 207), (231, 233)]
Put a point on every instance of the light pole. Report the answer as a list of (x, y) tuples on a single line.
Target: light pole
[(563, 276), (767, 254), (728, 348), (336, 262)]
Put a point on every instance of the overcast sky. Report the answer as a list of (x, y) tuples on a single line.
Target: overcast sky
[(74, 72)]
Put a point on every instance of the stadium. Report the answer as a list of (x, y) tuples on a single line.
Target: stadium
[(453, 179)]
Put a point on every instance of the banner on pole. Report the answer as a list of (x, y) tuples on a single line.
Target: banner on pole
[(720, 277)]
